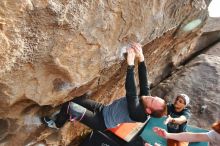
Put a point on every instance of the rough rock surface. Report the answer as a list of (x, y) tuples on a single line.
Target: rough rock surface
[(53, 50), (210, 34), (198, 77), (200, 80)]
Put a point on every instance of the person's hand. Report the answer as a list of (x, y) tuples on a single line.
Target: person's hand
[(138, 51), (168, 120), (161, 132), (130, 56)]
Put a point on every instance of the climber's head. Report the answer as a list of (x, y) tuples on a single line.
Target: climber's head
[(154, 106)]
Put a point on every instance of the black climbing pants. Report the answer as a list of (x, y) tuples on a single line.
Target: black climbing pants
[(93, 117)]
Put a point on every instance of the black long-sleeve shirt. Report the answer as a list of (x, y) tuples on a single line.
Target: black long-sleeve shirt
[(135, 106), (129, 108)]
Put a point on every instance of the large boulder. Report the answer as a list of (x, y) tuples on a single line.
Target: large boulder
[(53, 50)]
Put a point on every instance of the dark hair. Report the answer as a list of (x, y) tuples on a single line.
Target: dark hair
[(216, 127), (159, 113)]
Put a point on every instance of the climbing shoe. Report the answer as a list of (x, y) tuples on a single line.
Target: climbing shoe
[(76, 111)]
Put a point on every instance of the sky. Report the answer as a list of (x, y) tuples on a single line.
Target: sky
[(214, 8)]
